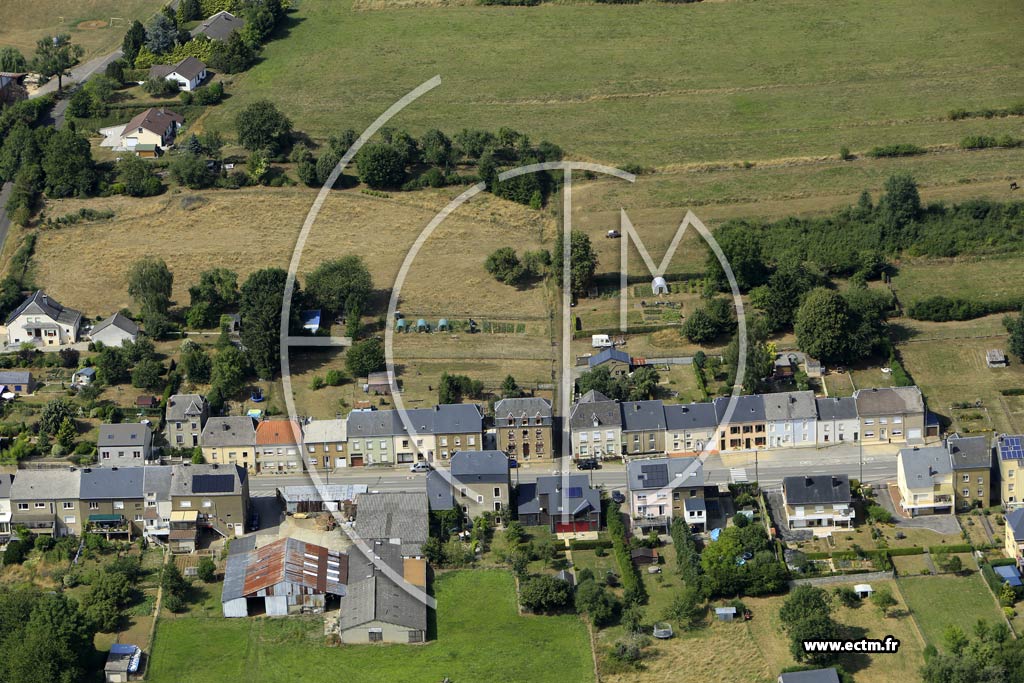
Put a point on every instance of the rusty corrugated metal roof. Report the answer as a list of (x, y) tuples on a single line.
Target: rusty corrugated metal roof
[(289, 560)]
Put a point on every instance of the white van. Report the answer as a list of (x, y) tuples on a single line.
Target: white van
[(601, 341)]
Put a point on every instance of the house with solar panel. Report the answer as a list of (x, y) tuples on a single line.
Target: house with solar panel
[(283, 578), (214, 497), (563, 504), (663, 489), (1010, 453)]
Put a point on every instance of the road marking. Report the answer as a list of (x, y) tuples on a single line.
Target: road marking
[(738, 475)]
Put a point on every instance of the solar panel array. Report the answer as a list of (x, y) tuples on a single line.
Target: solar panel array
[(574, 492), (213, 483), (1010, 448), (655, 475)]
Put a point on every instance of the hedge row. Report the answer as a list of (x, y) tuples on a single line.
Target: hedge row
[(873, 553), (942, 309), (957, 548), (590, 545), (898, 150), (632, 585), (1003, 562)]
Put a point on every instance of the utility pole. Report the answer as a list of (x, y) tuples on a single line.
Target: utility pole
[(757, 476), (860, 446)]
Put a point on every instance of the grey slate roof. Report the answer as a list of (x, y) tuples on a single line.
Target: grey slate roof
[(484, 466), (378, 598), (237, 430), (748, 408), (124, 434), (608, 355), (813, 676), (391, 515), (184, 477), (459, 418), (183, 406), (844, 408), (920, 464), (790, 405), (48, 307), (889, 401), (119, 321), (234, 570), (817, 490), (643, 416), (690, 416), (969, 452), (657, 473), (190, 67), (508, 410), (107, 483), (5, 485), (529, 495), (45, 484), (1015, 520), (15, 377), (439, 491), (595, 407), (156, 479), (219, 26)]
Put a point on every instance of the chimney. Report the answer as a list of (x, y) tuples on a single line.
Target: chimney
[(808, 481), (836, 482)]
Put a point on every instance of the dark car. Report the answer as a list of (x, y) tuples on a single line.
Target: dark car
[(254, 521), (513, 463), (588, 464), (618, 497)]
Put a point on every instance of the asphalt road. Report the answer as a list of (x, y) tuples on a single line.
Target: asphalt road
[(769, 468)]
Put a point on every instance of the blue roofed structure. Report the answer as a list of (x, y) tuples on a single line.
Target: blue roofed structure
[(311, 321)]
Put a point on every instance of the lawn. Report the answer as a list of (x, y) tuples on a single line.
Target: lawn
[(480, 638), (976, 279), (939, 601), (757, 650), (951, 372), (96, 25), (805, 77)]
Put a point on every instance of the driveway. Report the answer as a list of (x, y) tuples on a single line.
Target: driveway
[(943, 524)]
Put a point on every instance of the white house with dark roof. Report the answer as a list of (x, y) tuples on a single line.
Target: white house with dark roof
[(837, 420), (818, 502), (596, 424), (189, 73), (43, 321), (125, 445), (791, 418), (115, 331)]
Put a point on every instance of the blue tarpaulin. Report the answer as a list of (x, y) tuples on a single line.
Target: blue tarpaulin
[(715, 533), (1009, 574)]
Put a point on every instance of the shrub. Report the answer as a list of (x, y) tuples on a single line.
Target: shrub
[(334, 378), (897, 150), (545, 594)]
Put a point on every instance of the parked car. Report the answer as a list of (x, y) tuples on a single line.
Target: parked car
[(419, 467), (513, 463), (588, 464), (618, 497)]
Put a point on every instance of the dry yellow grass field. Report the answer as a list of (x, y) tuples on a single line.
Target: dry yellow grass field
[(23, 22), (85, 265)]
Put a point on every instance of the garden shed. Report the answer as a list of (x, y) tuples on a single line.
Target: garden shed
[(863, 590), (659, 286), (725, 613)]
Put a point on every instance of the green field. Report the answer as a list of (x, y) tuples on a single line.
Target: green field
[(480, 637), (980, 279), (654, 84), (940, 601)]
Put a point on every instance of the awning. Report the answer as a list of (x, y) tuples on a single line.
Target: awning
[(106, 518)]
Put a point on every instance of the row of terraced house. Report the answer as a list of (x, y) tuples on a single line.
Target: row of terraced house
[(604, 428), (524, 429)]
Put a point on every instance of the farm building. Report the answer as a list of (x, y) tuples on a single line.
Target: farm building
[(384, 602), (329, 497), (286, 576)]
